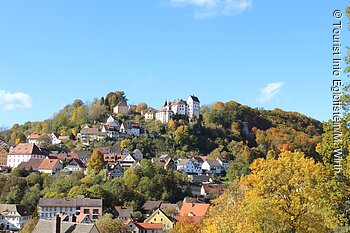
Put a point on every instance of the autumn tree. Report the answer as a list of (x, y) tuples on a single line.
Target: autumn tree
[(187, 225), (289, 194), (106, 224), (96, 162)]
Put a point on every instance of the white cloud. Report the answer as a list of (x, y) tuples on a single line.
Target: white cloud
[(14, 100), (211, 8), (269, 91)]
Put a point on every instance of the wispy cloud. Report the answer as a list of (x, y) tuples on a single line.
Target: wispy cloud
[(10, 101), (212, 8), (269, 91)]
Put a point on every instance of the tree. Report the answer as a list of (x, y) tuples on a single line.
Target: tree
[(107, 224), (186, 225), (141, 106), (288, 194), (96, 161)]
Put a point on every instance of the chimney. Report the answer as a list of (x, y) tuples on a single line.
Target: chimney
[(56, 224)]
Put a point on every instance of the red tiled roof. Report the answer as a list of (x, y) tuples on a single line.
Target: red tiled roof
[(26, 149), (39, 136), (148, 226), (48, 164), (197, 209), (32, 163)]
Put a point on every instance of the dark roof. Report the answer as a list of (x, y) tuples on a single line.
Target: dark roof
[(83, 154), (109, 149), (151, 205), (178, 102), (26, 149), (169, 207), (190, 200), (214, 163), (66, 227), (124, 211), (93, 131), (32, 163), (3, 144), (199, 178), (75, 161), (78, 201), (194, 98), (184, 161), (13, 209)]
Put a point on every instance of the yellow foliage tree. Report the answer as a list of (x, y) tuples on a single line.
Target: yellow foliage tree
[(187, 225), (288, 194), (96, 161)]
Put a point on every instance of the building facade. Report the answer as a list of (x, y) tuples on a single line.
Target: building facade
[(13, 217), (23, 152), (50, 207)]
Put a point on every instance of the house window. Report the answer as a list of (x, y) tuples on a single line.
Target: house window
[(95, 211), (86, 211)]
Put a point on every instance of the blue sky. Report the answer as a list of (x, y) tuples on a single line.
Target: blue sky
[(259, 53)]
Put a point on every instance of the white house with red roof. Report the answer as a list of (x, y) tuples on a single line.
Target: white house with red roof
[(23, 152)]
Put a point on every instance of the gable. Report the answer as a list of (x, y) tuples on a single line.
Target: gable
[(158, 216)]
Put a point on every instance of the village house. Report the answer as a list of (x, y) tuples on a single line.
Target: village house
[(189, 166), (137, 154), (149, 114), (164, 161), (126, 161), (159, 216), (112, 122), (212, 190), (200, 179), (211, 167), (121, 108), (74, 165), (110, 128), (130, 128), (50, 207), (32, 164), (88, 134), (42, 139), (50, 166), (224, 164), (170, 209), (13, 216), (140, 227), (82, 155), (115, 171), (123, 212), (22, 153), (195, 211), (65, 224), (149, 206)]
